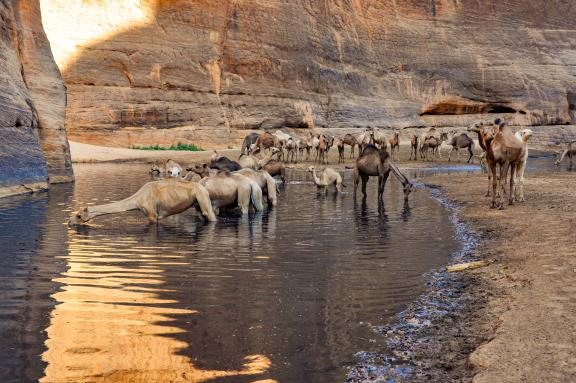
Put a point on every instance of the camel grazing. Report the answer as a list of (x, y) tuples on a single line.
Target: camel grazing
[(569, 151), (231, 189), (375, 162), (248, 143), (413, 146), (340, 146), (327, 177), (170, 168), (461, 141), (503, 149), (265, 181), (523, 135), (394, 143), (351, 141), (157, 200)]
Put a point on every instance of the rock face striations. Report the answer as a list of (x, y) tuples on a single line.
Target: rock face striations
[(204, 70), (33, 145)]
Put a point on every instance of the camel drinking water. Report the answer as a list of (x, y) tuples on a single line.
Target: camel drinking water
[(327, 177), (569, 151), (375, 162), (157, 200)]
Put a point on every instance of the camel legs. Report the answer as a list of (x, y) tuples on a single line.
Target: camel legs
[(471, 154), (512, 186), (492, 177), (381, 184), (364, 183), (450, 153), (562, 157), (520, 176)]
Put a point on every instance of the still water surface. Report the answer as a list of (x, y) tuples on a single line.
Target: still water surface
[(285, 296)]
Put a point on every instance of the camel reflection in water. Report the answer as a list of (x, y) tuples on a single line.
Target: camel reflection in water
[(112, 323)]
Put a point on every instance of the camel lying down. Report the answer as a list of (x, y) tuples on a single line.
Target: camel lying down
[(157, 200)]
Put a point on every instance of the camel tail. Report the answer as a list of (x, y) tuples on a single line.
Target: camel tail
[(256, 197), (272, 188)]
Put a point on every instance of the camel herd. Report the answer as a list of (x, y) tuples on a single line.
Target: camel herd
[(224, 183)]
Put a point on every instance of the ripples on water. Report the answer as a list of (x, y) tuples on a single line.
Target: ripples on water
[(289, 295)]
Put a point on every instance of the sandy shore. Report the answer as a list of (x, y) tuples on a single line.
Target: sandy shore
[(522, 307), (514, 320)]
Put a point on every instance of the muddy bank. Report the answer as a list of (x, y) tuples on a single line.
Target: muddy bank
[(509, 322)]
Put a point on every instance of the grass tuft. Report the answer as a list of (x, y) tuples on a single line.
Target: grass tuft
[(179, 146)]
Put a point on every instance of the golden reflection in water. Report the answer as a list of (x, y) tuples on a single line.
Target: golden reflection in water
[(110, 323)]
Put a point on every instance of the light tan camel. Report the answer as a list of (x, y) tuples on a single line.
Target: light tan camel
[(327, 177), (363, 139), (265, 181), (569, 151), (413, 146), (394, 143), (250, 161), (379, 137), (323, 147), (157, 200), (375, 162), (231, 189), (523, 135), (504, 150), (170, 168)]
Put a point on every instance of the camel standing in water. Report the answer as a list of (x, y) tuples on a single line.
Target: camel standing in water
[(265, 181), (326, 178), (375, 162), (157, 200), (569, 151)]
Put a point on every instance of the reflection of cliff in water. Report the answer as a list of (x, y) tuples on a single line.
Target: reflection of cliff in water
[(33, 243)]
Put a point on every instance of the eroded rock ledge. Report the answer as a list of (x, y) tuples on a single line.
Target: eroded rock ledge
[(141, 72)]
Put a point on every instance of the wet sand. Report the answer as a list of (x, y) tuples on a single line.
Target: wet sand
[(517, 315)]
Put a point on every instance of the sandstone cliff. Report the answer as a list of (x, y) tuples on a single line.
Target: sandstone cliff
[(159, 71), (33, 145)]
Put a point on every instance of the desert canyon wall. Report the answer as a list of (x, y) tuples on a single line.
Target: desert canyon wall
[(204, 71), (33, 145)]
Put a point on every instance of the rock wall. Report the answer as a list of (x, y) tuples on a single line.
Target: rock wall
[(205, 71), (33, 145)]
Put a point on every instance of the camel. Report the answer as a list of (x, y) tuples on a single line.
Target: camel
[(170, 167), (378, 137), (291, 146), (461, 141), (302, 145), (309, 144), (363, 139), (413, 145), (479, 129), (327, 177), (267, 141), (157, 200), (224, 163), (568, 151), (505, 150), (340, 146), (265, 181), (275, 168), (375, 162), (351, 141), (231, 189), (323, 147), (252, 162), (248, 143), (523, 135), (394, 142)]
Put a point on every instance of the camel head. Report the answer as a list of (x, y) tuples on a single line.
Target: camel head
[(79, 217), (155, 169), (201, 169), (214, 156), (407, 188), (311, 168), (526, 134), (476, 127)]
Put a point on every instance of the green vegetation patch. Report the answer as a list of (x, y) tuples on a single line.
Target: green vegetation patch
[(179, 146)]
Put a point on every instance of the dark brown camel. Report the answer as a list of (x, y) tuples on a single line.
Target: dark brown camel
[(374, 162), (461, 141)]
